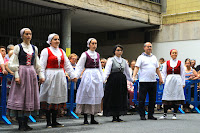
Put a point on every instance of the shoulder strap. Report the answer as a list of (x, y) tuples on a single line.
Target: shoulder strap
[(33, 48)]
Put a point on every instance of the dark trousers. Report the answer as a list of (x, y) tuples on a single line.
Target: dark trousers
[(151, 88)]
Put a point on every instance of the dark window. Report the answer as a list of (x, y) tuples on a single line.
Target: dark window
[(157, 1)]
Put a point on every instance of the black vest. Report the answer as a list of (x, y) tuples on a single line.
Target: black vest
[(24, 58)]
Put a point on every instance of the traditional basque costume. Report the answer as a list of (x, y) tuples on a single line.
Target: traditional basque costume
[(115, 98), (24, 97), (90, 90), (53, 92), (174, 73)]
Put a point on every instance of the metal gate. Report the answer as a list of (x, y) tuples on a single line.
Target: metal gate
[(15, 14)]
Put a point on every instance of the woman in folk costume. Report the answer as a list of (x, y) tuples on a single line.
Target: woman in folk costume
[(24, 92), (115, 98), (173, 74), (53, 92), (90, 91)]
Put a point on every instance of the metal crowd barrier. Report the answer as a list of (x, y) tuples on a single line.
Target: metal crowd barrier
[(187, 92), (71, 105), (3, 97), (188, 96)]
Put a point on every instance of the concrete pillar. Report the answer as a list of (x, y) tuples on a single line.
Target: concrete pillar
[(66, 31), (164, 6)]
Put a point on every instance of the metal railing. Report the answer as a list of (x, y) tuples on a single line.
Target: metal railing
[(70, 105), (187, 91)]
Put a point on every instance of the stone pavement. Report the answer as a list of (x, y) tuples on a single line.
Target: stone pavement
[(186, 123)]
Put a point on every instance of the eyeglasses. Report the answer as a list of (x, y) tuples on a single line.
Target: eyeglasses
[(74, 58), (94, 43), (28, 33), (102, 62), (119, 50), (148, 46)]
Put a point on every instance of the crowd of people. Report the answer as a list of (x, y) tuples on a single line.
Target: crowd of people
[(105, 87)]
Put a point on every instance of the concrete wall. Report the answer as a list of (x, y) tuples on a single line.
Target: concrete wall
[(138, 10), (177, 32), (185, 37), (186, 49), (181, 11)]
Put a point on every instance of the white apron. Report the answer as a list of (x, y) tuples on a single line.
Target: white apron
[(54, 89), (90, 90), (173, 89)]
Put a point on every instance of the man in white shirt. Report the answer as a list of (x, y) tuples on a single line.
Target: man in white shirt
[(148, 65)]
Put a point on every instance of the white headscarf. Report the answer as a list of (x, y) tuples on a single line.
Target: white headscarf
[(89, 40), (22, 31), (50, 37)]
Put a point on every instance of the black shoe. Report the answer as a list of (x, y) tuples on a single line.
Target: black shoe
[(49, 125), (114, 119), (27, 127), (94, 122), (143, 118), (57, 125), (152, 118), (21, 124), (120, 120), (86, 123)]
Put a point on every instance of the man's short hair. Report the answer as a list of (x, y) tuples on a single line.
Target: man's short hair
[(3, 47), (9, 46), (147, 43)]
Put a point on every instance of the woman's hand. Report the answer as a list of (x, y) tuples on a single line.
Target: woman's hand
[(4, 72), (42, 80), (17, 80)]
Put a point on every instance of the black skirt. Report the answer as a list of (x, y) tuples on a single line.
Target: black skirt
[(115, 96)]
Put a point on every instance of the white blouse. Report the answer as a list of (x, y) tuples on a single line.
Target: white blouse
[(56, 51), (173, 63), (13, 63), (108, 68), (81, 62)]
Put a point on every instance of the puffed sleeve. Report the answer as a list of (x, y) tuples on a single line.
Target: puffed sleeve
[(182, 73), (164, 72), (13, 63), (43, 60), (68, 67), (80, 65), (101, 71), (108, 68), (37, 64), (127, 72)]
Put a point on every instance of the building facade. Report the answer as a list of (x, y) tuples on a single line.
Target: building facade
[(112, 22), (180, 29)]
